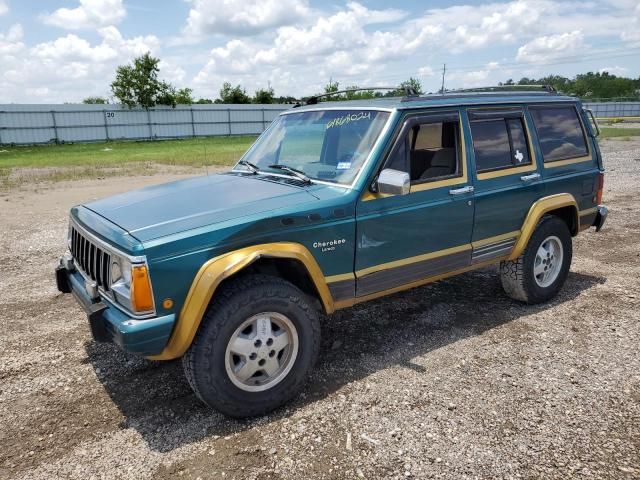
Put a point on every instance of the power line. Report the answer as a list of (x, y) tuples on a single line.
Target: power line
[(572, 59)]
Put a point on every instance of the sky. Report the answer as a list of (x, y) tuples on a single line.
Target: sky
[(54, 51)]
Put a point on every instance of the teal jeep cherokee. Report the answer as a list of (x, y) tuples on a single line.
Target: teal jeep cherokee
[(336, 203)]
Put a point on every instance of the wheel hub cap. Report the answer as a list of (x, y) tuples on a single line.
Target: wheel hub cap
[(261, 352), (548, 262)]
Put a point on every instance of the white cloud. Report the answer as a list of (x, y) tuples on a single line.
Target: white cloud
[(172, 72), (11, 42), (89, 14), (550, 47), (619, 71), (113, 46), (242, 17), (298, 47), (631, 34), (338, 43), (65, 69), (4, 8), (426, 72)]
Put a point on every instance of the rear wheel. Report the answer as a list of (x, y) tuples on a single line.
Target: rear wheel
[(255, 346), (540, 272)]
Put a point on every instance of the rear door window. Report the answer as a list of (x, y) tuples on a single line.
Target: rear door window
[(560, 132), (499, 143)]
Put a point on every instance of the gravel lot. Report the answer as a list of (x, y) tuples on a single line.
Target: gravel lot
[(452, 380)]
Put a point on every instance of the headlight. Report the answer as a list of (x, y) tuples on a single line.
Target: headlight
[(131, 285)]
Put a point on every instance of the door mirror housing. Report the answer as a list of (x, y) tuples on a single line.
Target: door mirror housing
[(393, 182)]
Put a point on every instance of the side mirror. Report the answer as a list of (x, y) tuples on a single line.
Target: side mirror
[(394, 182)]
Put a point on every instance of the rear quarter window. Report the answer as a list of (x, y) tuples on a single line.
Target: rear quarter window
[(560, 132)]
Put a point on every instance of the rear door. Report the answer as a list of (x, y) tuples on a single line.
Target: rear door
[(506, 176)]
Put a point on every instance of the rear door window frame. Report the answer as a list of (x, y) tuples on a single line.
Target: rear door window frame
[(504, 113)]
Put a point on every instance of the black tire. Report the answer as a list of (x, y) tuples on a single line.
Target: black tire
[(240, 299), (518, 279)]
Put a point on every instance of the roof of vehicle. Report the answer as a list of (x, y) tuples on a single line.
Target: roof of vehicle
[(440, 100)]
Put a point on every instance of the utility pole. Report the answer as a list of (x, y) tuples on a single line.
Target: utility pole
[(444, 70)]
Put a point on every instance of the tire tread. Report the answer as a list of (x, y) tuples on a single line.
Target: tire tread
[(240, 290)]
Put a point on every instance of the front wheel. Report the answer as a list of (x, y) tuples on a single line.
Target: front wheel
[(540, 272), (256, 344)]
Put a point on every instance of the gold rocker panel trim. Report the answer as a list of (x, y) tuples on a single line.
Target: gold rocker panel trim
[(407, 286), (213, 272), (537, 210)]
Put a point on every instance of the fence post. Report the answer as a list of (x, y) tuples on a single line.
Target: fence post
[(1, 112), (229, 119), (55, 126), (263, 120), (193, 125), (106, 125), (149, 123)]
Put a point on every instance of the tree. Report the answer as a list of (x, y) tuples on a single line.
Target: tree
[(413, 83), (231, 94), (204, 101), (589, 85), (138, 84), (184, 96), (264, 96), (95, 101), (285, 99), (331, 88)]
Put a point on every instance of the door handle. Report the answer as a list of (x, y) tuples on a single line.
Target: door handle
[(530, 178), (462, 191)]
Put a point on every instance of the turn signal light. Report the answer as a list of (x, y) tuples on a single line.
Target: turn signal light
[(141, 296), (600, 188)]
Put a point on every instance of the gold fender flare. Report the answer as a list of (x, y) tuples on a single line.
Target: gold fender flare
[(213, 272), (537, 210)]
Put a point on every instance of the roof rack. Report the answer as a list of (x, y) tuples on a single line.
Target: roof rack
[(522, 90), (313, 100), (507, 88)]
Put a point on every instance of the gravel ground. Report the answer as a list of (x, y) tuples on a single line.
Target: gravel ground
[(452, 380)]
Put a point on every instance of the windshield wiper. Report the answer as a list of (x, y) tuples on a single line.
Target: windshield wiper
[(292, 171), (250, 166)]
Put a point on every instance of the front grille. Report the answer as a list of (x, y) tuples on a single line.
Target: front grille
[(92, 260)]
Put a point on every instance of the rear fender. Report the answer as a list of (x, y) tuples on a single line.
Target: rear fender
[(536, 212)]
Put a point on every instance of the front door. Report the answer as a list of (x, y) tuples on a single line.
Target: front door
[(506, 178), (406, 239)]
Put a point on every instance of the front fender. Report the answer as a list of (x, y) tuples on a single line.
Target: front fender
[(213, 272)]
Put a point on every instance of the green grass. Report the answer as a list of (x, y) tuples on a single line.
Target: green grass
[(619, 132), (190, 152)]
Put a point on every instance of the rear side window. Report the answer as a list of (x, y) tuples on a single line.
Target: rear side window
[(559, 132), (499, 143)]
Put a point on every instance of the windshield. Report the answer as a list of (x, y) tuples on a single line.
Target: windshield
[(330, 145)]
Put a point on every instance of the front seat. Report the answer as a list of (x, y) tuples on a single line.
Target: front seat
[(443, 164), (444, 160)]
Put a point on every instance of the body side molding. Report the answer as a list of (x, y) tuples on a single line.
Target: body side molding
[(213, 272), (537, 210)]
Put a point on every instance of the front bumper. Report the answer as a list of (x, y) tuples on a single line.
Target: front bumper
[(109, 324)]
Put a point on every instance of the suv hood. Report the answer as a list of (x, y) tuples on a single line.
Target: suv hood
[(161, 210)]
